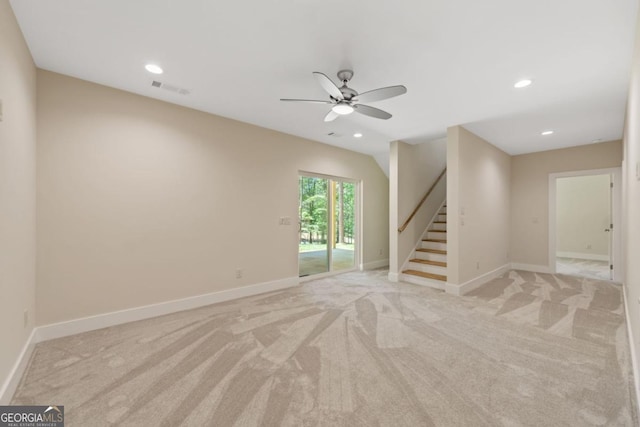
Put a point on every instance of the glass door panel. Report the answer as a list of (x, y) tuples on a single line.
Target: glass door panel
[(343, 213), (313, 253)]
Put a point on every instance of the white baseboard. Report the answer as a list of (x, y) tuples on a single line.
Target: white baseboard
[(579, 255), (393, 277), (76, 326), (476, 282), (376, 264), (632, 347), (15, 375), (531, 267)]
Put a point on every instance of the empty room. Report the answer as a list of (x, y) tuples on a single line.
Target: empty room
[(328, 213)]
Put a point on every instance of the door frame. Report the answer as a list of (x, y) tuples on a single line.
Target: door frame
[(616, 209), (357, 256)]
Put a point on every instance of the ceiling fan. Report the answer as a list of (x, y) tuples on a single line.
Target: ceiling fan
[(346, 100)]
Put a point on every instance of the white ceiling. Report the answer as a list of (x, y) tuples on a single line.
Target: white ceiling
[(458, 59)]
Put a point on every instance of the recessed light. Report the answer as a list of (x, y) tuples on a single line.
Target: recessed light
[(547, 132), (153, 68), (522, 83), (357, 135)]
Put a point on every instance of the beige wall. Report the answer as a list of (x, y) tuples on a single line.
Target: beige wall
[(478, 200), (631, 205), (415, 168), (582, 214), (530, 194), (17, 190), (141, 201)]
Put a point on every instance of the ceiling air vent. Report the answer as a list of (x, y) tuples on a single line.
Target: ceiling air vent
[(335, 135), (169, 87)]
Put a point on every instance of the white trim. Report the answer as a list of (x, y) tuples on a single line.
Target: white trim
[(15, 375), (632, 347), (616, 207), (476, 282), (376, 264), (85, 324), (579, 255), (394, 277), (531, 267)]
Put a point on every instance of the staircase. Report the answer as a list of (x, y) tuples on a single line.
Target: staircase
[(428, 267)]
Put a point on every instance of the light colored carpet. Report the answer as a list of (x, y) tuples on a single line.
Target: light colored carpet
[(356, 350)]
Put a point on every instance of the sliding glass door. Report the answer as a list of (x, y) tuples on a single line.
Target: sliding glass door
[(343, 236), (313, 256), (327, 219)]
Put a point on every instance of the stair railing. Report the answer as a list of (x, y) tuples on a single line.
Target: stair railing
[(415, 211)]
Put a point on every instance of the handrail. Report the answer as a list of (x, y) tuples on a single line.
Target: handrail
[(415, 211)]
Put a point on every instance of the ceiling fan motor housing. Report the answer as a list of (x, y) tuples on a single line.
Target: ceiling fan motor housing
[(348, 93)]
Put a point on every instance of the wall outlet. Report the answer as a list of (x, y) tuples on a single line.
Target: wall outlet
[(380, 252), (588, 246), (239, 273), (477, 265), (285, 220), (25, 318)]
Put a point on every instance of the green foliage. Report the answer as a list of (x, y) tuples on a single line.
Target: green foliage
[(314, 215), (348, 205), (313, 209)]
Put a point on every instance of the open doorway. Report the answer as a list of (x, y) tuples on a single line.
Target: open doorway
[(583, 238), (583, 226), (327, 225)]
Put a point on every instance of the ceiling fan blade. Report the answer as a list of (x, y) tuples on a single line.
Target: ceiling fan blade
[(313, 101), (328, 85), (371, 112), (382, 93), (331, 116)]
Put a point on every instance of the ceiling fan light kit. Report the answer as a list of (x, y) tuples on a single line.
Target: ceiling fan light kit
[(343, 109), (346, 100)]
